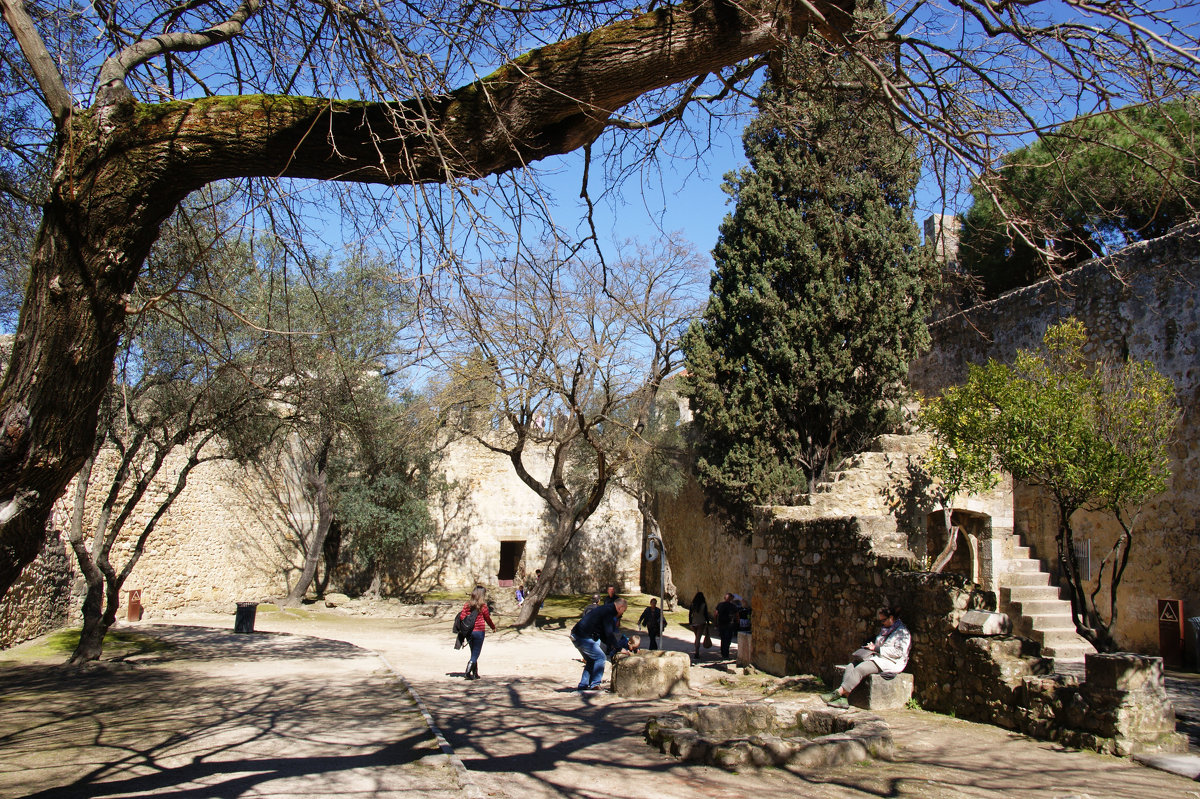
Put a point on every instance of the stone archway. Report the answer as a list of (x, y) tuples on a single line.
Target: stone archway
[(968, 529)]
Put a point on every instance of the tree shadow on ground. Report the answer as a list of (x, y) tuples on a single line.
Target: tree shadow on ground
[(534, 739), (255, 722)]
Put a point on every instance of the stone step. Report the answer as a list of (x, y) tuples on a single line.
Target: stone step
[(1032, 579), (1024, 565), (1066, 645), (1057, 637), (1020, 552), (1041, 608), (917, 444), (1068, 653), (1035, 626), (1029, 593)]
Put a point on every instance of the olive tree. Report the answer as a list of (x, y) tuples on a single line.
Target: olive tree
[(560, 361)]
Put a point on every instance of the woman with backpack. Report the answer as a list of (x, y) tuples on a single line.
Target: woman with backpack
[(473, 617)]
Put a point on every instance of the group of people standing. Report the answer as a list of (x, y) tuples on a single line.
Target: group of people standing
[(597, 636), (732, 615)]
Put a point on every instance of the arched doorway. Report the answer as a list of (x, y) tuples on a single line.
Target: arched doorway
[(971, 527)]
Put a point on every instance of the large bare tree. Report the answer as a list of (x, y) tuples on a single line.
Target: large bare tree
[(560, 363), (439, 96)]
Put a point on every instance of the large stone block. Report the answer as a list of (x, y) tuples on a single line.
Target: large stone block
[(745, 649), (878, 692), (650, 675), (1123, 671), (982, 622)]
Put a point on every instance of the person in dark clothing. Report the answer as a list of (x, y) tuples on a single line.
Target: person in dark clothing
[(610, 594), (698, 619), (477, 604), (727, 622), (600, 625), (652, 620)]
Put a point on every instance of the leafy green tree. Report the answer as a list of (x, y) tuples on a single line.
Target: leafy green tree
[(819, 296), (336, 370), (382, 535), (1096, 183), (1094, 434)]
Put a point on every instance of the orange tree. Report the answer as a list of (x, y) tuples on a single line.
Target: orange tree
[(1093, 433)]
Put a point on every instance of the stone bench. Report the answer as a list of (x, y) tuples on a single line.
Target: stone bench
[(878, 692)]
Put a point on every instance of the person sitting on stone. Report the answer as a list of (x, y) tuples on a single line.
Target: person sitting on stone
[(887, 654)]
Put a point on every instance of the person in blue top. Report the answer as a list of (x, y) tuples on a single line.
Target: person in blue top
[(600, 625)]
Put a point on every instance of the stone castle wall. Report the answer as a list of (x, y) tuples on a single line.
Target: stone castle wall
[(1142, 303), (703, 557), (226, 539), (492, 505)]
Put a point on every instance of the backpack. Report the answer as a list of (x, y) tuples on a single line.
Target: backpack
[(465, 626)]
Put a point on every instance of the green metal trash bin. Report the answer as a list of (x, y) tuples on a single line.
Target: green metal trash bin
[(243, 620)]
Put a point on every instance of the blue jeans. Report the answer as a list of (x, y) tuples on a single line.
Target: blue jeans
[(476, 642), (593, 662)]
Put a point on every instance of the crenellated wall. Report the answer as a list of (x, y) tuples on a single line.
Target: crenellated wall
[(1141, 302)]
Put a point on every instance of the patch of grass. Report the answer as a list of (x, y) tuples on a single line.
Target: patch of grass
[(913, 704), (435, 596), (61, 643)]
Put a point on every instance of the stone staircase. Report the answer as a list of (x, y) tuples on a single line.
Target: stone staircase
[(1037, 609), (862, 488)]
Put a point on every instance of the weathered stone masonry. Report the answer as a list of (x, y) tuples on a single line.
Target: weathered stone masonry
[(817, 583), (1141, 303)]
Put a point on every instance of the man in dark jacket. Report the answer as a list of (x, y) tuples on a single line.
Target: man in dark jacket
[(601, 624), (727, 622)]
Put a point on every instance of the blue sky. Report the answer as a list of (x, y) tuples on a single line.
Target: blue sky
[(693, 203)]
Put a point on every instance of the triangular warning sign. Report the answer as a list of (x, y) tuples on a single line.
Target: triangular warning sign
[(1168, 612)]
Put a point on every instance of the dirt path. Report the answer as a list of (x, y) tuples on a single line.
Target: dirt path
[(286, 716), (522, 732), (218, 716)]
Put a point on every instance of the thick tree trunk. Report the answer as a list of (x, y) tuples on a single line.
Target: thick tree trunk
[(122, 168), (314, 549), (656, 575), (565, 528), (91, 637)]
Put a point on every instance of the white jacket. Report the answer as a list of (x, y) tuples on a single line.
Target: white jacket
[(891, 648)]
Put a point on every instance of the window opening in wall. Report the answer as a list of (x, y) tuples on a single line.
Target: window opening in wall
[(511, 553), (1083, 557)]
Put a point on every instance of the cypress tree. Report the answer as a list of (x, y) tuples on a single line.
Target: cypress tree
[(818, 299)]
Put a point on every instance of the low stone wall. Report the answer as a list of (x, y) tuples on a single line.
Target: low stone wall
[(768, 733), (818, 583)]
